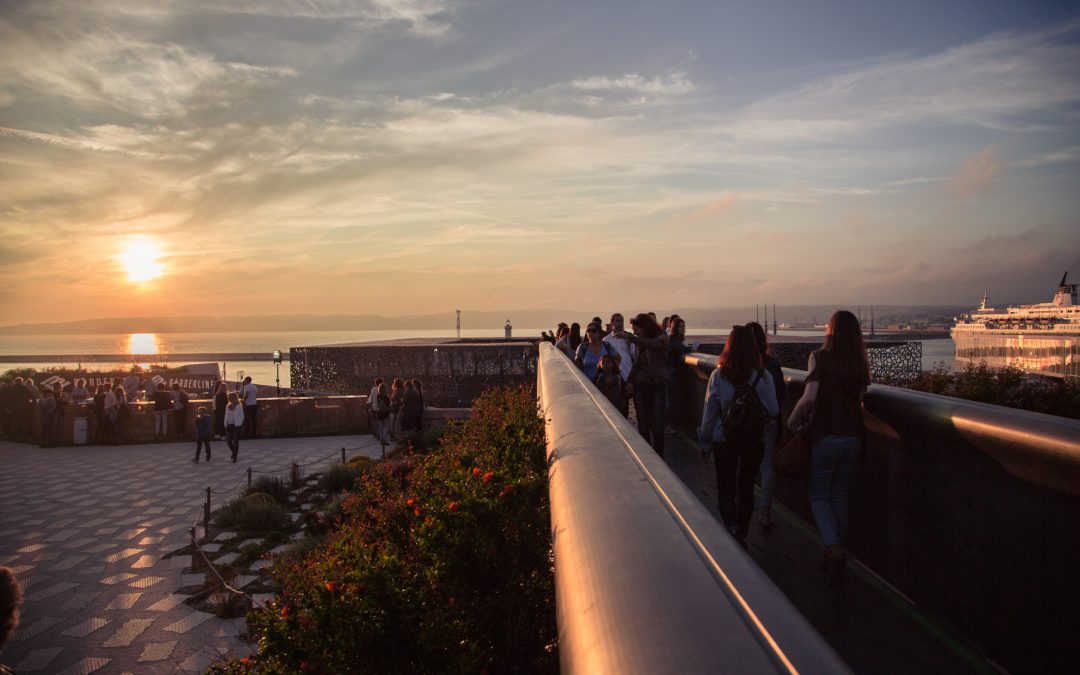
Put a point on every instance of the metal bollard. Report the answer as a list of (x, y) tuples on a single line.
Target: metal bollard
[(249, 476), (206, 514), (343, 455)]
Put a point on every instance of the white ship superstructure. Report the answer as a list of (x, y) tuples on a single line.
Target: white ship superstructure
[(1042, 338)]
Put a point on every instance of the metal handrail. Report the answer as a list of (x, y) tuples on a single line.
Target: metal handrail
[(1041, 449), (646, 578)]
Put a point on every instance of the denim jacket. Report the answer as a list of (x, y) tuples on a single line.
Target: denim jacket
[(719, 395)]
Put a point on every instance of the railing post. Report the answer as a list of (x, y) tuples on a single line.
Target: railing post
[(343, 455), (249, 476), (206, 514)]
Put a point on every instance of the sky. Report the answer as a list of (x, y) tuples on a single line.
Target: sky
[(393, 157)]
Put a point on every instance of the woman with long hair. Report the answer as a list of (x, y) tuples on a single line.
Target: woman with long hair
[(773, 429), (573, 338), (737, 449), (221, 401), (588, 354), (649, 378), (397, 398), (831, 405), (234, 421), (677, 349)]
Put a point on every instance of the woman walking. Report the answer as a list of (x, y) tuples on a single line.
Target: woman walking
[(737, 440), (773, 429), (234, 421), (221, 401), (831, 405)]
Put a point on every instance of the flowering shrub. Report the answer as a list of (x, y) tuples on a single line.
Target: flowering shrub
[(441, 562), (1007, 386)]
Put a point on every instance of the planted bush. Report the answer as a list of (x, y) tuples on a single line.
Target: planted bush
[(256, 511), (441, 563), (340, 477), (275, 486), (1007, 386)]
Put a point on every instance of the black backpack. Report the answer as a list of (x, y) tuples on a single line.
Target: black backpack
[(745, 416)]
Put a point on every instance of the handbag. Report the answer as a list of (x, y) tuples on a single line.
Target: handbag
[(792, 457)]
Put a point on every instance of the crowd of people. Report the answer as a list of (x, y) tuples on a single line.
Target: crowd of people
[(396, 410), (741, 424), (109, 408)]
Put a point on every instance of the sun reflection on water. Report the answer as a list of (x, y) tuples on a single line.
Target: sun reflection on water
[(143, 343)]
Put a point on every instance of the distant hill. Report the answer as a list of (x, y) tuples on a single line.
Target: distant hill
[(721, 317)]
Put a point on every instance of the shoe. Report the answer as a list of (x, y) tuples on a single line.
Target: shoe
[(195, 461), (835, 564)]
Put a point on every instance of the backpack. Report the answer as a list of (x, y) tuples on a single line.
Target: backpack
[(745, 416)]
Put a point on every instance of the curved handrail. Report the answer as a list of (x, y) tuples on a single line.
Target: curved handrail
[(647, 580), (1041, 449)]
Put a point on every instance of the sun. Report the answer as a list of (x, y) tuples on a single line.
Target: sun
[(140, 260)]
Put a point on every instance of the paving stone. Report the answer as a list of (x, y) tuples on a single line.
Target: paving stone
[(106, 530), (226, 559), (50, 591), (117, 578), (80, 600), (243, 580), (157, 651), (19, 569), (131, 534), (248, 542), (297, 536), (131, 629), (188, 622), (149, 540), (96, 522), (30, 631), (85, 666), (100, 548), (210, 548), (261, 564), (7, 558), (154, 509), (168, 602), (278, 550), (86, 627), (120, 555), (192, 579), (37, 659), (144, 562), (67, 562), (92, 569), (146, 582), (179, 562), (225, 535), (31, 548), (63, 536), (124, 601)]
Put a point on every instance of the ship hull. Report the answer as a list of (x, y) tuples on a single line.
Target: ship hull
[(1050, 353)]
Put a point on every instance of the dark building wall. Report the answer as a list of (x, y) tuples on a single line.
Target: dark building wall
[(453, 372)]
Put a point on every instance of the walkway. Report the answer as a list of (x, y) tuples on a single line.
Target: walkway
[(871, 626), (85, 530)]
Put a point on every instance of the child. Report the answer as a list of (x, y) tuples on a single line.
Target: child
[(204, 428), (610, 382)]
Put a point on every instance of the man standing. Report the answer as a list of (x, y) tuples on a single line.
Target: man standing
[(251, 408), (623, 348), (373, 399), (180, 409)]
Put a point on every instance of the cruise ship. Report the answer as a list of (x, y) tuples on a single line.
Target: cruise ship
[(1042, 338)]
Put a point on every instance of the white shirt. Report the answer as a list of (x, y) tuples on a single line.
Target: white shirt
[(234, 416), (250, 394), (626, 352)]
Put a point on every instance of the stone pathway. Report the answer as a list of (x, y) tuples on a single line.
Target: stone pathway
[(85, 530)]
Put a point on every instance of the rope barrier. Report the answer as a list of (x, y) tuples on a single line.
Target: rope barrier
[(225, 492)]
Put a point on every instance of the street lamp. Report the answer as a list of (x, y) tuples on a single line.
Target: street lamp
[(277, 370)]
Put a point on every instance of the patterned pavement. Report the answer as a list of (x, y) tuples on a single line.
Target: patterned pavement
[(85, 529)]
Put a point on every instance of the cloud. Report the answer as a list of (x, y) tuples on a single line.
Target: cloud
[(978, 175), (667, 85), (1069, 155), (715, 210)]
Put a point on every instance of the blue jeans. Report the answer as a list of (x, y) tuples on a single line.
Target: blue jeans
[(650, 403), (832, 465), (768, 474), (232, 440)]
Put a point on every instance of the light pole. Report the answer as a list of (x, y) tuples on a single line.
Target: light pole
[(277, 370)]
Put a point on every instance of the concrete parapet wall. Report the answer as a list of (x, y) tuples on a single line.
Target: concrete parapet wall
[(453, 372)]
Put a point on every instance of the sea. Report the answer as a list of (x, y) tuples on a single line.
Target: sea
[(74, 348)]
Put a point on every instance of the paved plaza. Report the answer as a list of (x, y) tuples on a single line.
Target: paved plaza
[(85, 529)]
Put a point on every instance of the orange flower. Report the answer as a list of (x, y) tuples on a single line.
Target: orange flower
[(452, 506), (245, 660), (488, 476), (330, 586), (410, 501), (416, 512), (476, 471), (285, 612)]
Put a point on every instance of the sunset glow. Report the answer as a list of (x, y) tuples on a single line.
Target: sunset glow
[(143, 343), (140, 261)]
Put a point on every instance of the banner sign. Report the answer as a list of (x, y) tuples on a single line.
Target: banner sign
[(192, 382)]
